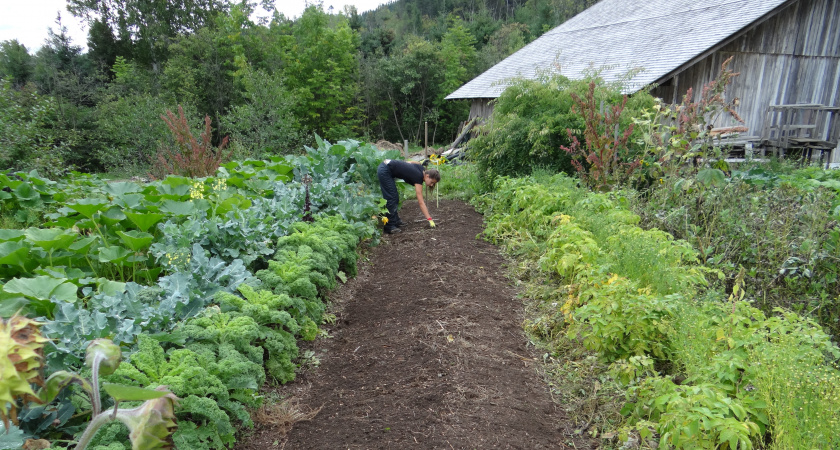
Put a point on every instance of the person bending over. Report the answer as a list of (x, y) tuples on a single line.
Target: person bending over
[(412, 173)]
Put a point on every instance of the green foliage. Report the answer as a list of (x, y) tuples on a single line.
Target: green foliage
[(526, 130), (130, 130), (619, 320), (676, 138), (32, 134), (699, 416), (781, 230), (264, 124), (204, 398), (533, 122), (148, 24), (320, 69), (15, 63), (629, 295)]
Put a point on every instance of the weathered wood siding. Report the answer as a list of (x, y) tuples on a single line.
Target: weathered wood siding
[(481, 107), (793, 57)]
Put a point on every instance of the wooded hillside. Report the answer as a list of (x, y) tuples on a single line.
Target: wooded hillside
[(269, 85)]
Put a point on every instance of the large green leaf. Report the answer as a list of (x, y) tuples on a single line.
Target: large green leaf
[(122, 393), (88, 206), (121, 188), (42, 288), (11, 235), (144, 221), (135, 240), (82, 245), (258, 185), (130, 201), (13, 253), (10, 304), (51, 238), (176, 208), (236, 180), (175, 186), (113, 254), (112, 215), (27, 195), (711, 177), (233, 203)]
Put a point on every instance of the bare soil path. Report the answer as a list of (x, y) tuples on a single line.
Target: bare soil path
[(427, 352)]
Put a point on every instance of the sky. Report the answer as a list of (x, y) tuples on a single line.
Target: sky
[(28, 20)]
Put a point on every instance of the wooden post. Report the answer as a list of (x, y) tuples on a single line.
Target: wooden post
[(426, 142), (405, 149)]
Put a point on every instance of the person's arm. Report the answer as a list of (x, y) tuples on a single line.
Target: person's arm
[(418, 188)]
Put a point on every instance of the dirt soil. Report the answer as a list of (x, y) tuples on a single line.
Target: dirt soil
[(427, 352)]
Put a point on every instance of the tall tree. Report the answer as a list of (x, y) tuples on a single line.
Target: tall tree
[(320, 67), (104, 46), (150, 24), (15, 63)]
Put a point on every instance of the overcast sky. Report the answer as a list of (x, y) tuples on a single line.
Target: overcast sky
[(28, 20)]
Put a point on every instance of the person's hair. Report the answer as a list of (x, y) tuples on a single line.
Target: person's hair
[(433, 174)]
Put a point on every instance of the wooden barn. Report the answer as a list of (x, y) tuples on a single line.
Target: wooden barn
[(787, 53)]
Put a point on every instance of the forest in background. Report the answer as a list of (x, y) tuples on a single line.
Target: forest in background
[(268, 85)]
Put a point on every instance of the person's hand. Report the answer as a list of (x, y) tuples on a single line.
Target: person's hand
[(431, 222)]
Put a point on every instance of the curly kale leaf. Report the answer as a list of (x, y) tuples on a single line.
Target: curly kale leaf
[(202, 394), (282, 349), (219, 328), (207, 427), (265, 307)]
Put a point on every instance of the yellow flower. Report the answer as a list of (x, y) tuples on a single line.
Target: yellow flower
[(385, 221)]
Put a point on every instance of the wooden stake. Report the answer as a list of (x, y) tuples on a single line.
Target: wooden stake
[(426, 147)]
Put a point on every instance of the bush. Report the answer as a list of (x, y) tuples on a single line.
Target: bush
[(130, 131), (702, 372), (782, 233), (32, 135), (533, 119), (264, 125)]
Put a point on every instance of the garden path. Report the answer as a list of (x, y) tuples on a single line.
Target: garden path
[(427, 352)]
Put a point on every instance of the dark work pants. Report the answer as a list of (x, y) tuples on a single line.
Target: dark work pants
[(390, 194)]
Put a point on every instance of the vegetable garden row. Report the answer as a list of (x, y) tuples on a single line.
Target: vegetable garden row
[(202, 286), (701, 369)]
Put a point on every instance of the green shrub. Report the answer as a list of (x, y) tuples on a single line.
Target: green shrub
[(533, 119), (702, 372), (130, 131), (264, 125), (528, 125), (32, 134)]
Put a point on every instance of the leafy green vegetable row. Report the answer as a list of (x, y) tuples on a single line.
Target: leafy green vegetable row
[(230, 348), (205, 237)]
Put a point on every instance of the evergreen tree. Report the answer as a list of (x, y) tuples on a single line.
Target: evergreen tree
[(15, 63)]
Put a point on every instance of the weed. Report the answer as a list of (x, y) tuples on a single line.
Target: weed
[(189, 157)]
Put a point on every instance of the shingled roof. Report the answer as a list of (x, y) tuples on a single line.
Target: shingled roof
[(617, 36)]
